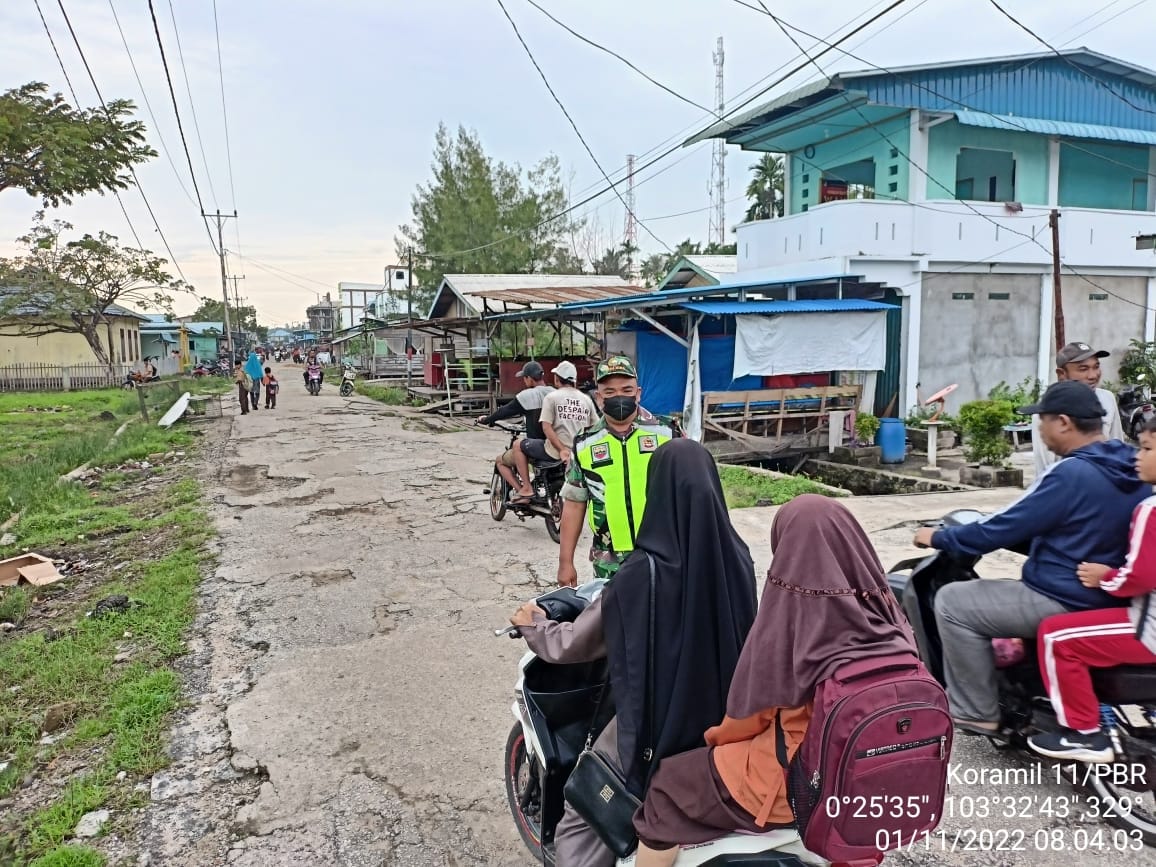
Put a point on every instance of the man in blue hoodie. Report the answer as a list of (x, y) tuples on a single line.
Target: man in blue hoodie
[(1078, 512)]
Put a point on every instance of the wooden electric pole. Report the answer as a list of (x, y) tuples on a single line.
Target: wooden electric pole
[(1057, 283), (220, 220)]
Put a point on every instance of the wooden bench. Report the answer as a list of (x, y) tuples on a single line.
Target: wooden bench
[(774, 406)]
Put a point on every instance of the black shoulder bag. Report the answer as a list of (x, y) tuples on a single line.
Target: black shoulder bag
[(596, 789)]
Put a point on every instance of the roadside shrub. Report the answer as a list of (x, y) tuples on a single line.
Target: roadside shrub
[(1027, 392), (866, 426), (1138, 364), (982, 423)]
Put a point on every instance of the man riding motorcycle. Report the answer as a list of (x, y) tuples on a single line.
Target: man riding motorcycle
[(528, 404), (608, 472), (1079, 511)]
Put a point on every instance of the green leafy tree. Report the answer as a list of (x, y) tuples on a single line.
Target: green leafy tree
[(67, 287), (243, 318), (54, 151), (479, 215), (766, 187)]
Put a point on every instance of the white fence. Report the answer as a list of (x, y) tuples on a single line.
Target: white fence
[(71, 377)]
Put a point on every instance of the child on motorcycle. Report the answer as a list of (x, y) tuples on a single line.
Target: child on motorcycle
[(1070, 645)]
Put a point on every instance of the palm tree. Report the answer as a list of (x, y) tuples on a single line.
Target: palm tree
[(766, 188)]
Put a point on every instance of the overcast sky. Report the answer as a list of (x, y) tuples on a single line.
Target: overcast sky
[(333, 105)]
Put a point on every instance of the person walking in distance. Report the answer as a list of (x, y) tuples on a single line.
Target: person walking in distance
[(271, 389), (244, 383)]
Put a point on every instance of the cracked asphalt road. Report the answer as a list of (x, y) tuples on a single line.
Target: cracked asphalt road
[(347, 702)]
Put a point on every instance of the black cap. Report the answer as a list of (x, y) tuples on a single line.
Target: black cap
[(532, 369), (1068, 397)]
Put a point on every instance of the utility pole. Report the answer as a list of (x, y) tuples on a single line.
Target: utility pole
[(718, 166), (220, 220), (1058, 304), (237, 299), (409, 347)]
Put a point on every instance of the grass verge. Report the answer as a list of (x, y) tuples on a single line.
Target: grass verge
[(744, 488), (103, 683), (390, 396)]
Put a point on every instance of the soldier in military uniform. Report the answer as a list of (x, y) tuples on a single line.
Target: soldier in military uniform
[(606, 479)]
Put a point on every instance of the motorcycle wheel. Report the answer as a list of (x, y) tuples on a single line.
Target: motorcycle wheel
[(498, 493), (346, 389), (554, 520), (1129, 810), (524, 795)]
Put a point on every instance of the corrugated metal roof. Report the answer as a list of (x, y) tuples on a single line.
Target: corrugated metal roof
[(555, 294), (1058, 127), (674, 296), (1069, 88), (829, 305), (474, 289), (716, 264)]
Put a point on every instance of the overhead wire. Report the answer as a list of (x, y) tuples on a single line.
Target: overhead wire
[(618, 56), (148, 104), (192, 104), (131, 170), (629, 210), (874, 127), (668, 151), (225, 117), (1100, 24)]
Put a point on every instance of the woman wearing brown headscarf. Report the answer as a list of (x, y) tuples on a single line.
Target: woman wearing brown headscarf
[(826, 602)]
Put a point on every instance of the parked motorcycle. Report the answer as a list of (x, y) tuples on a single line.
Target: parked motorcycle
[(348, 378), (1135, 403), (313, 379), (553, 708), (1125, 792), (546, 480)]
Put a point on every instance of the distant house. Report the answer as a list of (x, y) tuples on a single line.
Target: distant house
[(690, 272), (123, 327), (160, 338), (280, 336)]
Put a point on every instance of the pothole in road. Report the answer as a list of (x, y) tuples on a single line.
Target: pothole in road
[(322, 577), (304, 499), (249, 480)]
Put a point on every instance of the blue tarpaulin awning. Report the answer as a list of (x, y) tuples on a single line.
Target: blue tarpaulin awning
[(767, 308)]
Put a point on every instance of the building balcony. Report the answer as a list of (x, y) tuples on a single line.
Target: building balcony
[(947, 232)]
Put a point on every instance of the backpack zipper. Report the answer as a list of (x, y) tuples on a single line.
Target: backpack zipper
[(923, 705), (901, 748)]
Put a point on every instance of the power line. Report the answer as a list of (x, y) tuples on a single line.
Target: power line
[(192, 105), (1084, 33), (871, 124), (132, 171), (148, 104), (578, 132), (225, 116), (67, 80), (180, 125), (1082, 70), (269, 265), (668, 151), (618, 56)]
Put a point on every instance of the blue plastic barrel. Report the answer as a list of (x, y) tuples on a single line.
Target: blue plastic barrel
[(892, 439)]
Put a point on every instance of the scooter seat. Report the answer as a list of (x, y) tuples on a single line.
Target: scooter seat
[(1125, 684)]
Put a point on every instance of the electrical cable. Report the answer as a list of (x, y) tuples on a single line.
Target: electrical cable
[(1084, 33), (225, 117), (192, 105), (629, 210), (1080, 69), (936, 181), (148, 105), (667, 152), (618, 56), (132, 171)]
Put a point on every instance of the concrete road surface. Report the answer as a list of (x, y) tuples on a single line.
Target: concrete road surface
[(347, 702)]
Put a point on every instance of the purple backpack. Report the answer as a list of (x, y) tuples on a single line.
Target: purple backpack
[(871, 772)]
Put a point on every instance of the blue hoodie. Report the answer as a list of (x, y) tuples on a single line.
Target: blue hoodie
[(1080, 511)]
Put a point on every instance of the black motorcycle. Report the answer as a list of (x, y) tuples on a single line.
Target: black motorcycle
[(1125, 790), (546, 480), (1135, 403)]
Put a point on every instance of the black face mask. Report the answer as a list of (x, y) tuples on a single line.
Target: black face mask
[(620, 408)]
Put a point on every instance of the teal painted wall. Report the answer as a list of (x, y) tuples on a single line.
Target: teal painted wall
[(1031, 155), (807, 172), (203, 348), (1089, 180)]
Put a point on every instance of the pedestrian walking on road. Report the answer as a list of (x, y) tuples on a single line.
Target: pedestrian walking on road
[(244, 384), (256, 374), (271, 389)]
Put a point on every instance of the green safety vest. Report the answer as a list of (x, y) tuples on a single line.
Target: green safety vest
[(615, 472)]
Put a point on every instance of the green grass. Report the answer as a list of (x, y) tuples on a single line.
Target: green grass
[(744, 488), (119, 711), (388, 396)]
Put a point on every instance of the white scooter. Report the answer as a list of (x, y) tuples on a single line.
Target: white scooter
[(552, 708)]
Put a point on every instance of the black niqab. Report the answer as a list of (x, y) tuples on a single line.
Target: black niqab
[(704, 607)]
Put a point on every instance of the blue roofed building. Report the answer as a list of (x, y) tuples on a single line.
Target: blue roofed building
[(931, 187)]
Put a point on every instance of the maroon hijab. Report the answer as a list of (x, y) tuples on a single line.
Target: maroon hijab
[(826, 602)]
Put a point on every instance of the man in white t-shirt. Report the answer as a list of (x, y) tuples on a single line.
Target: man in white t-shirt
[(566, 412), (1081, 363)]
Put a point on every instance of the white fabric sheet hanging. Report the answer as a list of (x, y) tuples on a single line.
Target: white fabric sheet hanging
[(810, 342), (692, 399)]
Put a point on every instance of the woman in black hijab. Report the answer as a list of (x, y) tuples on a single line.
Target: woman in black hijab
[(704, 606)]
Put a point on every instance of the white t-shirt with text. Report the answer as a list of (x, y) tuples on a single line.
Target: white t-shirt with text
[(569, 411)]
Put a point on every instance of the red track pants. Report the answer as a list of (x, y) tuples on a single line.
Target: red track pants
[(1071, 645)]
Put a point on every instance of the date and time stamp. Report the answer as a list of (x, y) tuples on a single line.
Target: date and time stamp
[(1073, 822)]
